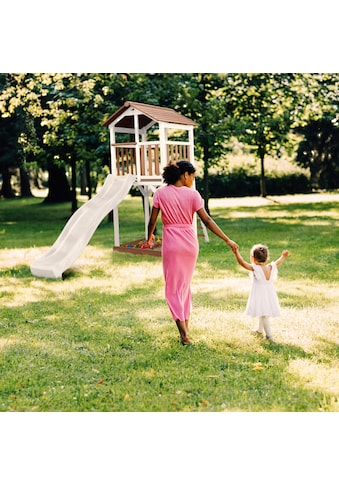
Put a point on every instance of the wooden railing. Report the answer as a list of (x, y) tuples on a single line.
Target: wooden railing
[(125, 158), (150, 160), (150, 163), (177, 152)]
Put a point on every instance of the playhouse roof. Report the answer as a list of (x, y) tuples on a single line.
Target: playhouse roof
[(148, 112)]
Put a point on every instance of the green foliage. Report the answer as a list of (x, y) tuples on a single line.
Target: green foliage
[(262, 111), (239, 176), (319, 151), (239, 183), (204, 102), (102, 339), (56, 118)]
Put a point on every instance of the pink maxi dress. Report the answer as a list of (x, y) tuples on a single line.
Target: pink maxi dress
[(180, 245)]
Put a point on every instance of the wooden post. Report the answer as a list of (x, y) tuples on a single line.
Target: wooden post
[(163, 148), (113, 151), (137, 148), (116, 227), (191, 145)]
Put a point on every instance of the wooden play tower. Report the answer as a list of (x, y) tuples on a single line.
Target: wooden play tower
[(144, 138)]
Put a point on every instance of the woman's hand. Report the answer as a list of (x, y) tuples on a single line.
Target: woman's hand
[(150, 241), (233, 245), (148, 244)]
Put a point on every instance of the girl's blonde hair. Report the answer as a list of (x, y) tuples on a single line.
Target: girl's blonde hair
[(260, 253)]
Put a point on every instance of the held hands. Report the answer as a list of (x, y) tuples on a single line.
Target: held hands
[(235, 249), (233, 245)]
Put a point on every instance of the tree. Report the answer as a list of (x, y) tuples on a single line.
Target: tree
[(73, 122), (319, 148), (21, 102), (61, 125), (8, 154), (202, 100), (319, 151), (263, 111), (9, 133)]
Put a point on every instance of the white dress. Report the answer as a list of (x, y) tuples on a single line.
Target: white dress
[(263, 300)]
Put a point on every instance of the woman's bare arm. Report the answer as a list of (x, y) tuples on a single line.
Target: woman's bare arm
[(213, 227), (151, 224)]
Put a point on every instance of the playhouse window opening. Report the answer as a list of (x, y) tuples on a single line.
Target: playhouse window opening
[(177, 135)]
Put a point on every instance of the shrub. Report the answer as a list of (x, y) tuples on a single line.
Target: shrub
[(239, 183)]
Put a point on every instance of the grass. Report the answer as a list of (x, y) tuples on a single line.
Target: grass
[(102, 339)]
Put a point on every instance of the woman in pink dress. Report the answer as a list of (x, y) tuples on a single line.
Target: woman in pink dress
[(178, 202)]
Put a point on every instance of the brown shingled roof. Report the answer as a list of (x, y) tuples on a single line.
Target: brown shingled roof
[(149, 113)]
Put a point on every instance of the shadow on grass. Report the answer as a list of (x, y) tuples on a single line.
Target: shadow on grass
[(329, 349)]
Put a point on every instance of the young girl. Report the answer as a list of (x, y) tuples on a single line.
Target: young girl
[(263, 301)]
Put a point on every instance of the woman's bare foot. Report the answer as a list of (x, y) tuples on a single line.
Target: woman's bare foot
[(184, 338)]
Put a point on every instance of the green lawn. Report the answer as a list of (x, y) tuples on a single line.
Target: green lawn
[(102, 339)]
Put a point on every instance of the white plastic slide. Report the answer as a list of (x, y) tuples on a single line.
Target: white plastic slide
[(80, 227)]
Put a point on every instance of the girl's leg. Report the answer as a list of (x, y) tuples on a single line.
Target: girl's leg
[(260, 329), (267, 328), (261, 325)]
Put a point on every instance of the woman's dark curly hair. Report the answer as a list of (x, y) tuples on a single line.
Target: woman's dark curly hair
[(173, 171)]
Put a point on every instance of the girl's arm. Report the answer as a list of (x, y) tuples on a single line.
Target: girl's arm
[(241, 261), (151, 225), (213, 227), (282, 258)]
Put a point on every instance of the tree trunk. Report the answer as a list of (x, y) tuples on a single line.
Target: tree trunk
[(88, 176), (206, 155), (262, 177), (58, 186), (206, 187), (83, 182), (6, 190), (24, 184), (74, 184), (205, 142)]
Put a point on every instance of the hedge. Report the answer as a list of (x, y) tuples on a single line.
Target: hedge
[(240, 184)]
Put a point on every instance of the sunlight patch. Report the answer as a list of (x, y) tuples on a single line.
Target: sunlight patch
[(304, 327), (271, 200), (9, 258), (316, 376), (7, 342), (222, 285)]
